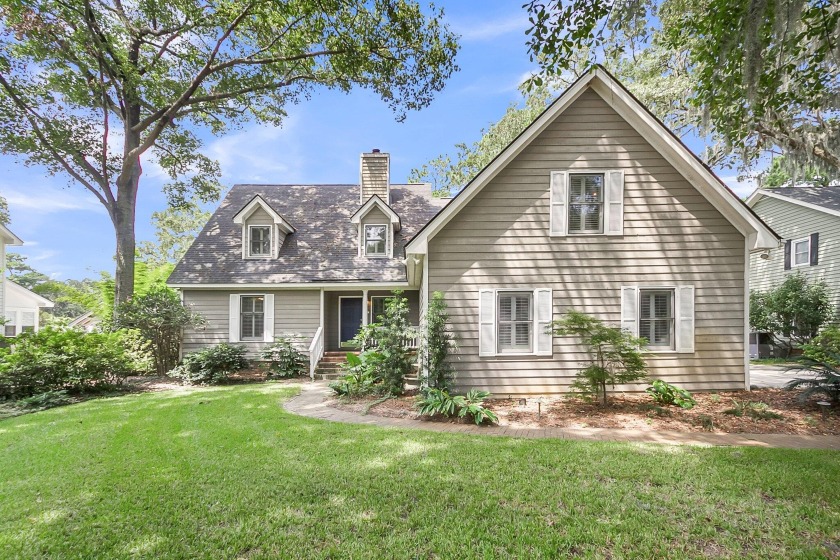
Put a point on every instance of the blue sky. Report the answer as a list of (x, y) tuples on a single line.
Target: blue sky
[(68, 233)]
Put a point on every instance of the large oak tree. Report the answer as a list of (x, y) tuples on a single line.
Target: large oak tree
[(90, 88)]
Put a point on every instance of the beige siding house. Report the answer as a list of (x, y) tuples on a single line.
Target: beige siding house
[(596, 207), (808, 218)]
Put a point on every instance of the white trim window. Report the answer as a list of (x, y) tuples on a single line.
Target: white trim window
[(664, 315), (801, 252), (515, 322), (586, 202), (656, 318), (377, 307), (10, 327), (252, 317), (259, 241), (376, 240)]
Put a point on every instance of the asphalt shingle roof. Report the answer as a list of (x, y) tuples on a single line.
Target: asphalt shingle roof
[(827, 197), (324, 247)]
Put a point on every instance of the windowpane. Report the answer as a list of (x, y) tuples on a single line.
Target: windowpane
[(260, 240), (656, 317), (375, 239), (801, 252), (9, 330), (586, 201), (377, 308), (513, 322), (252, 317)]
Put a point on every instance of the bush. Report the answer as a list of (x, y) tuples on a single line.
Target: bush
[(825, 347), (615, 355), (43, 401), (438, 341), (361, 375), (284, 359), (391, 341), (665, 393), (160, 318), (757, 410), (824, 378), (56, 359), (435, 402), (212, 365)]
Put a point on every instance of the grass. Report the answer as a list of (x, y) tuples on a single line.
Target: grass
[(225, 473)]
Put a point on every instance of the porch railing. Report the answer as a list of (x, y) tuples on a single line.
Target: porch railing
[(316, 351), (412, 341)]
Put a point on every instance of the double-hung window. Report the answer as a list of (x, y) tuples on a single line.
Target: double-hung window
[(515, 322), (375, 242), (656, 318), (252, 317), (259, 242), (10, 329), (377, 308), (802, 252), (586, 203)]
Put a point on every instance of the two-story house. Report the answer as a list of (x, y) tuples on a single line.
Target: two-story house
[(596, 207), (19, 306)]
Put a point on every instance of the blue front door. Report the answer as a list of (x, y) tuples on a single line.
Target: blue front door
[(350, 318)]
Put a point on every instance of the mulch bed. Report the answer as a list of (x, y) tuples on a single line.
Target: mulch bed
[(638, 411)]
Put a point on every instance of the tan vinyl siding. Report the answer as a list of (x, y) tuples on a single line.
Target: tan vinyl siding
[(375, 176), (672, 236), (793, 221), (295, 312)]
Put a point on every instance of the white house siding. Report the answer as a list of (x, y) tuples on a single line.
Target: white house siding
[(295, 312), (793, 221), (2, 278), (672, 235)]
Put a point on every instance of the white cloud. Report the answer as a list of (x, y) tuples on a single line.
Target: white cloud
[(476, 31), (49, 200), (742, 186)]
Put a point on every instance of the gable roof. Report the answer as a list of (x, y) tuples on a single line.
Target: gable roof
[(15, 290), (823, 199), (379, 203), (323, 251), (649, 127), (258, 202), (8, 237)]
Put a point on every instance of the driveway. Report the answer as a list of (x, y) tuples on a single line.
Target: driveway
[(763, 375)]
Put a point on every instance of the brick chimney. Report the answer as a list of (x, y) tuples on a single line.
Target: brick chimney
[(375, 176)]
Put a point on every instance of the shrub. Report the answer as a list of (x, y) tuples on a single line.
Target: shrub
[(56, 359), (824, 378), (825, 347), (615, 355), (438, 341), (665, 393), (757, 410), (361, 377), (284, 359), (793, 312), (43, 401), (212, 365), (435, 402), (160, 317)]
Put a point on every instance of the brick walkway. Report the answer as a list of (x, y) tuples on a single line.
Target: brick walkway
[(310, 403)]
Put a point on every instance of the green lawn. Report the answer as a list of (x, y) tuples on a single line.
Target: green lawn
[(225, 473)]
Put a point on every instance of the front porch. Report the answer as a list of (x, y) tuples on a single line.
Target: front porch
[(346, 311)]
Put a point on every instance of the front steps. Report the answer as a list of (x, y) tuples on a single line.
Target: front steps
[(329, 368)]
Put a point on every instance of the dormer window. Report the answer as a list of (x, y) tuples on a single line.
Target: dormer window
[(376, 238), (259, 241)]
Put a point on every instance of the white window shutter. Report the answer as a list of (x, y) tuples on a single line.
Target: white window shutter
[(268, 326), (615, 203), (684, 306), (486, 323), (543, 313), (233, 318), (630, 309), (557, 220)]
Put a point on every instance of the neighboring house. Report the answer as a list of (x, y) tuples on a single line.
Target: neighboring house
[(808, 218), (23, 309), (595, 207), (87, 322), (6, 238)]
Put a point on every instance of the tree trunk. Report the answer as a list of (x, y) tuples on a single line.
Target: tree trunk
[(123, 218)]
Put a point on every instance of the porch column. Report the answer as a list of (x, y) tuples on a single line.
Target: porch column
[(364, 307)]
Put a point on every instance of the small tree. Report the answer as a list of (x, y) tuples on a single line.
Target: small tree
[(438, 341), (160, 317), (792, 312), (615, 355), (392, 343)]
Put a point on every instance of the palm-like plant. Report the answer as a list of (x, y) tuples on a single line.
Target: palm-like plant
[(823, 377)]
